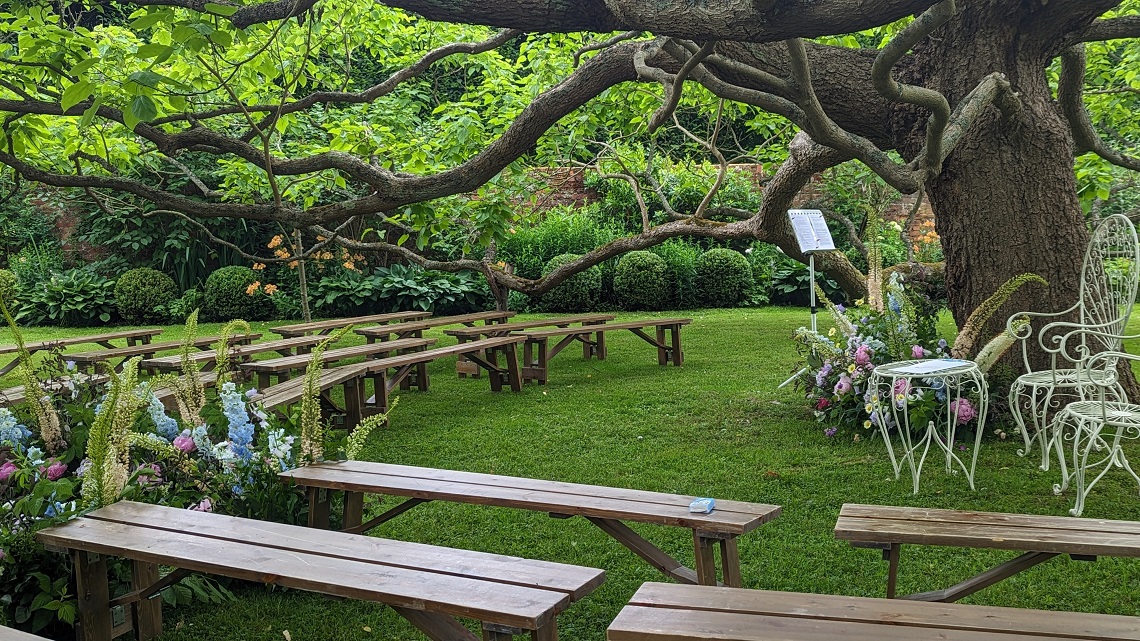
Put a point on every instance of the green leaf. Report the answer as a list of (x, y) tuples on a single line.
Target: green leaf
[(82, 67), (75, 94), (142, 108), (154, 50), (221, 9), (89, 113), (147, 21), (403, 239), (221, 38)]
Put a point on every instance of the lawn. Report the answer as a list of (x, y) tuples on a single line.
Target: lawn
[(716, 427)]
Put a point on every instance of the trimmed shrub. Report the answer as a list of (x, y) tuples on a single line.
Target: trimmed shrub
[(579, 293), (723, 277), (680, 261), (641, 281), (8, 284), (228, 296), (143, 294)]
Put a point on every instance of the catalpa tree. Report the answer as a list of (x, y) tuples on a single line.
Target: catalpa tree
[(979, 104)]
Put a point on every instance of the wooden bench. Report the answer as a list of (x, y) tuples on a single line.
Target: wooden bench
[(1040, 538), (327, 326), (428, 585), (98, 360), (283, 368), (411, 370), (606, 507), (464, 334), (167, 396), (537, 355), (238, 353), (669, 612), (14, 396), (416, 329), (132, 336)]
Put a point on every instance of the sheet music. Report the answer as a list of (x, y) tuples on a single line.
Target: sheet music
[(932, 366), (811, 230)]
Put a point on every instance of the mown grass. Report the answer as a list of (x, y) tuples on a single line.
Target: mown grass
[(716, 427)]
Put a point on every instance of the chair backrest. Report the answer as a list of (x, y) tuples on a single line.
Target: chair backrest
[(1109, 277)]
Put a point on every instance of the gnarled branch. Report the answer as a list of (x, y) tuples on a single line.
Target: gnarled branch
[(1069, 94)]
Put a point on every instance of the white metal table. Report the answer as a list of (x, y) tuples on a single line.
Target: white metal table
[(896, 386)]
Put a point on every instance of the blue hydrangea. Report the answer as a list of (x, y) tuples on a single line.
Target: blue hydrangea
[(12, 433), (165, 426), (202, 441), (240, 427)]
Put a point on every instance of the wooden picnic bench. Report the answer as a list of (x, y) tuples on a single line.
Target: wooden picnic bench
[(410, 370), (670, 612), (132, 336), (14, 396), (605, 507), (1040, 538), (167, 395), (284, 367), (238, 353), (537, 355), (326, 326), (98, 360), (415, 329), (427, 585), (464, 334)]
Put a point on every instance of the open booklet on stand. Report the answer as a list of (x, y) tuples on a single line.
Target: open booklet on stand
[(811, 230)]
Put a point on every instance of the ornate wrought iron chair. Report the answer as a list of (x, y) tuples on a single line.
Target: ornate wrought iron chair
[(1109, 276), (1099, 422)]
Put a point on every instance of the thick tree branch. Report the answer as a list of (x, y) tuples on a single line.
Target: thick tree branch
[(1069, 94), (1112, 29)]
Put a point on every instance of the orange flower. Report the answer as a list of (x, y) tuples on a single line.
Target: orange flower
[(258, 267), (281, 253), (276, 241), (348, 264), (253, 287), (292, 264), (270, 289)]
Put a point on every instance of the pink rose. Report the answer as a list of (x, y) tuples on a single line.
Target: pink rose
[(205, 505), (7, 470), (963, 410), (184, 442), (55, 471), (901, 387), (917, 352), (863, 355)]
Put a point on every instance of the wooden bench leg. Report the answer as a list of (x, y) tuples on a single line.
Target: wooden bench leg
[(662, 350), (600, 345), (353, 509), (147, 612), (654, 555), (514, 374), (730, 563), (492, 632), (318, 507), (703, 549), (892, 556), (548, 632), (678, 355), (93, 594), (437, 627)]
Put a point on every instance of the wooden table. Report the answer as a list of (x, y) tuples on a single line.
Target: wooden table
[(537, 355), (132, 336), (1040, 538), (283, 368), (606, 507), (326, 326), (97, 360), (238, 353), (464, 334), (667, 612)]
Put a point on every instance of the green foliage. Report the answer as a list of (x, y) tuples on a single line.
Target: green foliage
[(73, 298), (723, 278), (680, 259), (8, 285), (143, 295), (400, 288), (22, 223), (641, 281), (579, 293), (561, 231), (35, 263), (790, 280), (229, 295), (179, 309)]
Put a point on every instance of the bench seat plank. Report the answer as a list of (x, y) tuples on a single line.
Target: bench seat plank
[(326, 326), (296, 565), (730, 517), (237, 352), (674, 612), (506, 328), (589, 329), (403, 329), (81, 340), (1061, 535), (151, 348), (301, 361)]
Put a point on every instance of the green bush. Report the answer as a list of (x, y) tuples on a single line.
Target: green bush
[(142, 295), (179, 309), (723, 277), (8, 285), (560, 232), (579, 293), (641, 281), (227, 296), (74, 298), (680, 263)]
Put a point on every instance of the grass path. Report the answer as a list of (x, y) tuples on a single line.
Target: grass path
[(716, 427)]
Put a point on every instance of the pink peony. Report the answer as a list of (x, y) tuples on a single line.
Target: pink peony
[(822, 404), (7, 470), (917, 352), (205, 505), (901, 387), (843, 386), (184, 442), (55, 471), (963, 410), (863, 355)]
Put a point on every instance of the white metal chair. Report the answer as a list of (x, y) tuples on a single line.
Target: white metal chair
[(1097, 425), (1109, 276)]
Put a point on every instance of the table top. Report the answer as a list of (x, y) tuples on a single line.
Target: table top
[(898, 369)]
